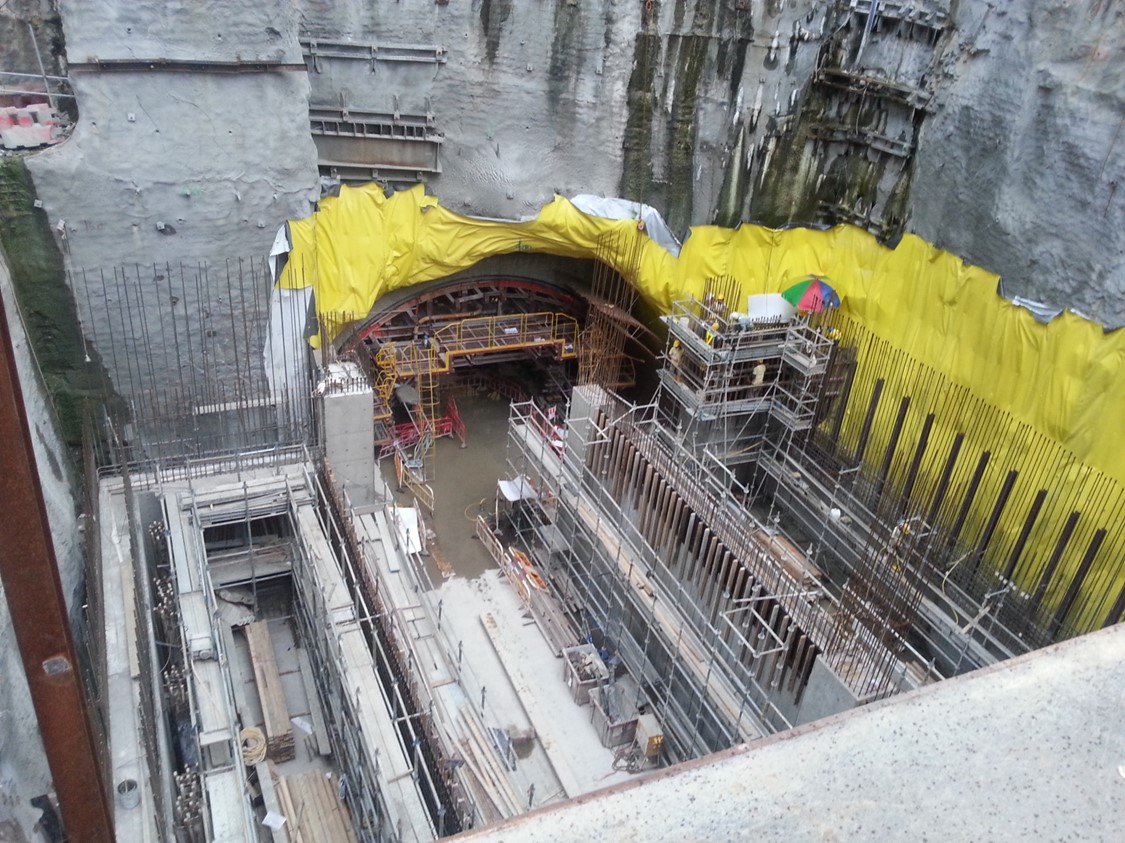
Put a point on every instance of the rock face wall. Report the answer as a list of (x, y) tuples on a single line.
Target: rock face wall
[(597, 96), (672, 101), (1016, 166), (18, 20), (527, 99), (701, 107), (1020, 166)]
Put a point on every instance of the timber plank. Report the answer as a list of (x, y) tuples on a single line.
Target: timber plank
[(275, 712)]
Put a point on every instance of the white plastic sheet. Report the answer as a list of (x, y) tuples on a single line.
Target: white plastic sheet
[(611, 208)]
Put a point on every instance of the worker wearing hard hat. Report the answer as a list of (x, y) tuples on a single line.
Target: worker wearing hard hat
[(713, 334), (675, 354)]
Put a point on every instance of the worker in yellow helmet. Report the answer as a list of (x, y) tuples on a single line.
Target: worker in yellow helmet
[(713, 333), (675, 354)]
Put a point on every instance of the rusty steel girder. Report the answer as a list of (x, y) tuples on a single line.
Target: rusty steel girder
[(29, 573)]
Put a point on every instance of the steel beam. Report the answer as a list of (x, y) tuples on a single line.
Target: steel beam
[(30, 576)]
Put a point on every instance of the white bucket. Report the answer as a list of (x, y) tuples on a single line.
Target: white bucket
[(128, 794)]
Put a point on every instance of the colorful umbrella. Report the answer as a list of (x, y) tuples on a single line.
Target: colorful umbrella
[(812, 295)]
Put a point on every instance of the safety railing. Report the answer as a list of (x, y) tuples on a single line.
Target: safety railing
[(499, 333)]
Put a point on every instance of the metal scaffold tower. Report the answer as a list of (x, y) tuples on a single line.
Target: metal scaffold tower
[(654, 552), (729, 384), (421, 362)]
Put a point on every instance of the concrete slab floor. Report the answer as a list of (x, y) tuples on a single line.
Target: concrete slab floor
[(565, 757), (288, 666), (569, 742)]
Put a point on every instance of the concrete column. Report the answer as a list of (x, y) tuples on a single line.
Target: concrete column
[(348, 429)]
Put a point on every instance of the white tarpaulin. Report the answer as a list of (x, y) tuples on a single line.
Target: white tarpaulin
[(285, 353), (768, 307), (611, 208), (405, 519)]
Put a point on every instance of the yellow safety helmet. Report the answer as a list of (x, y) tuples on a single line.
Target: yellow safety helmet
[(675, 343)]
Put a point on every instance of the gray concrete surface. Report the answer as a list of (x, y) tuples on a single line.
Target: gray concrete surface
[(1019, 167), (348, 430), (220, 161), (223, 159), (534, 98), (23, 765), (1031, 749)]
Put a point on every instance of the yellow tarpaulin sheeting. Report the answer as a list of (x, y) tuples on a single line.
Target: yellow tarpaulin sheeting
[(1065, 379)]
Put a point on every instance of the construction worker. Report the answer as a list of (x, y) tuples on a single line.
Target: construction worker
[(675, 354), (759, 373), (713, 334)]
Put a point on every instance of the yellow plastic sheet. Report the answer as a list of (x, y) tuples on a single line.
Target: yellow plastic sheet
[(1065, 379)]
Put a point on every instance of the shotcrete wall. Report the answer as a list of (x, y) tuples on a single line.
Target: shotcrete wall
[(220, 159), (24, 26), (1016, 165), (183, 166), (1019, 167), (599, 96)]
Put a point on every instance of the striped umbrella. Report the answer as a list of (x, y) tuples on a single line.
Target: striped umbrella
[(812, 295)]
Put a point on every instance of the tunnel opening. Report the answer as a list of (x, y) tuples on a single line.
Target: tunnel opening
[(517, 327)]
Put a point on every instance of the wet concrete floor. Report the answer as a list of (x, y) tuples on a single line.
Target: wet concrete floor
[(465, 481)]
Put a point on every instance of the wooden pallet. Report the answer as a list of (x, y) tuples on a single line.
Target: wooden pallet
[(313, 809), (275, 713)]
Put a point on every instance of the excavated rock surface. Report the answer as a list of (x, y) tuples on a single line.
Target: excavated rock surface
[(1020, 166), (220, 159)]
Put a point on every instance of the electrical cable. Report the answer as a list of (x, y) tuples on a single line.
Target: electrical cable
[(480, 504), (945, 579), (253, 743)]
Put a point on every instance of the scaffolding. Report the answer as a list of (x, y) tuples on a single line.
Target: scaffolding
[(656, 556), (278, 524), (725, 377), (425, 358), (462, 342), (976, 579)]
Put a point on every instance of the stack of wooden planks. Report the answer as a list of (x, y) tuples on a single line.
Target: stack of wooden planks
[(275, 713), (313, 809)]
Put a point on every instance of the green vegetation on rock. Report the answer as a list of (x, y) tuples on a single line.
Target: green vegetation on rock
[(46, 302)]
